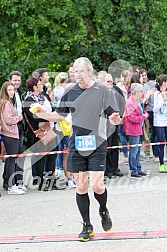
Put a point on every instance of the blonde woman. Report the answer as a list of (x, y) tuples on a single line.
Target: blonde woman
[(60, 84)]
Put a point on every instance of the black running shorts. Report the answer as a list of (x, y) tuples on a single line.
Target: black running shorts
[(96, 161)]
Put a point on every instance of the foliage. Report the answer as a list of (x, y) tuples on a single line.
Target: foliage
[(53, 33)]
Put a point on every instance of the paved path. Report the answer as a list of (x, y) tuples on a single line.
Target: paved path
[(135, 206)]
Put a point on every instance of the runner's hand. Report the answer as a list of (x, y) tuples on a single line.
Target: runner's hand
[(115, 118)]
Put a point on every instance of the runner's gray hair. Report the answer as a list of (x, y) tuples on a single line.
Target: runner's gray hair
[(85, 62)]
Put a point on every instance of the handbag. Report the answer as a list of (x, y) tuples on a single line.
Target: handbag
[(45, 133), (65, 127)]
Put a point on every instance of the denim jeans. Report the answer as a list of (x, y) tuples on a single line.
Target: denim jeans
[(161, 133), (63, 142), (134, 155)]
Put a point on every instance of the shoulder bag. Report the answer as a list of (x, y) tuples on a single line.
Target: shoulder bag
[(45, 133)]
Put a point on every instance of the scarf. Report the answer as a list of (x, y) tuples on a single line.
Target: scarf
[(37, 98)]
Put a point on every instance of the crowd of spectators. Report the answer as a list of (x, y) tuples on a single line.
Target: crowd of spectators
[(141, 100)]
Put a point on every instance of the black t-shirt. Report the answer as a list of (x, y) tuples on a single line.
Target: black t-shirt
[(89, 109)]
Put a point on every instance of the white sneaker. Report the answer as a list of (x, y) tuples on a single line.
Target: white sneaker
[(73, 179), (70, 184), (124, 160), (22, 187), (14, 190), (60, 173), (156, 159)]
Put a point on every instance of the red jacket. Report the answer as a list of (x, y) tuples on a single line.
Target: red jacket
[(133, 118)]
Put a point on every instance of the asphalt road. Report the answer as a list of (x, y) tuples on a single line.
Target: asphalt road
[(50, 221)]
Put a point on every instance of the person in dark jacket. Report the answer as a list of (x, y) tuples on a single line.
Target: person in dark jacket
[(35, 95), (15, 79), (112, 137)]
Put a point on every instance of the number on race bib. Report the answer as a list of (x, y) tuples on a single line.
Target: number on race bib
[(85, 143)]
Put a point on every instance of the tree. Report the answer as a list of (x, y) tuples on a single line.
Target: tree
[(53, 33)]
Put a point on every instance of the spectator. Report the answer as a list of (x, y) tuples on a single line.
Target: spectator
[(135, 68), (15, 79), (60, 83), (35, 95), (160, 117), (101, 76), (143, 73), (63, 141), (133, 127), (112, 135), (10, 137), (138, 78), (71, 73), (124, 85), (149, 104), (47, 86), (43, 74)]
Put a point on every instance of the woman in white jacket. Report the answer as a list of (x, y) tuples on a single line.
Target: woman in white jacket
[(160, 117)]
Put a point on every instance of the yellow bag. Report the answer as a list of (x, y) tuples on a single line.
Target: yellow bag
[(65, 127)]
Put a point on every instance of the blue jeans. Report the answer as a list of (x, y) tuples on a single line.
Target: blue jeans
[(123, 139), (64, 143), (134, 155), (161, 133)]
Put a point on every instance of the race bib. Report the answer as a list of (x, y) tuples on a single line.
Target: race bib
[(85, 143)]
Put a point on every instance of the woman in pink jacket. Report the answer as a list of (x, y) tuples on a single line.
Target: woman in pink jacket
[(133, 127), (10, 136)]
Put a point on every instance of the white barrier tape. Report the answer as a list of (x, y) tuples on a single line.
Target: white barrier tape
[(34, 154), (66, 151), (134, 145)]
